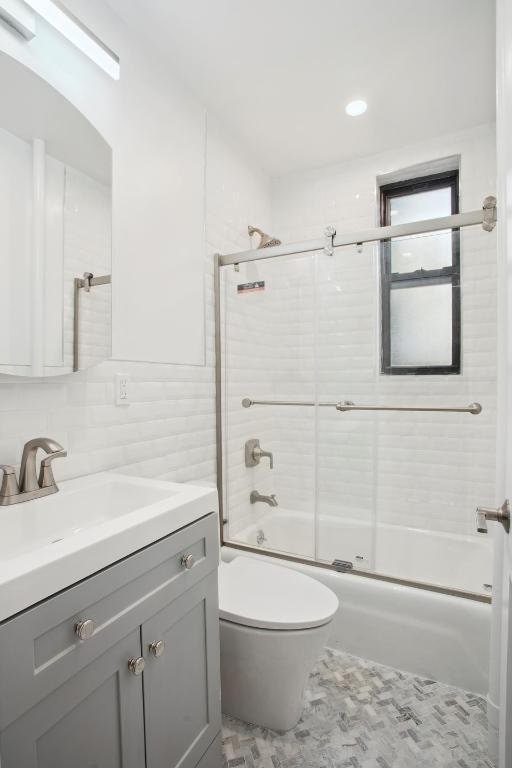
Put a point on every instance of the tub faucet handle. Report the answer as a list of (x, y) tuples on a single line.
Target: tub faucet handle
[(485, 515), (254, 453)]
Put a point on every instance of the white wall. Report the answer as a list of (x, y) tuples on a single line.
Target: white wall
[(169, 429), (314, 332)]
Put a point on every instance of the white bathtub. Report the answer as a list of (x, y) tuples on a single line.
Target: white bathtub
[(434, 635), (441, 559)]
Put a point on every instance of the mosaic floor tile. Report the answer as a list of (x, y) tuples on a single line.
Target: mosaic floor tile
[(362, 715)]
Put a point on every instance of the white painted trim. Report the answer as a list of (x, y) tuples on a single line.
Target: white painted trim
[(440, 165)]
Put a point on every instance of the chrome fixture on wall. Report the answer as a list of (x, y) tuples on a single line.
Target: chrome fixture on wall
[(486, 515), (254, 454), (86, 282), (266, 241), (257, 496), (348, 405), (486, 217), (30, 486)]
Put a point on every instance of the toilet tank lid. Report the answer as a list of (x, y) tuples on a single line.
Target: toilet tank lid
[(255, 593)]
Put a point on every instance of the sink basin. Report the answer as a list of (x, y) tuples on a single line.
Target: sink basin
[(48, 544), (35, 524)]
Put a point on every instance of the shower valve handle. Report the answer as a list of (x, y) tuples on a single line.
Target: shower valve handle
[(259, 454), (254, 453)]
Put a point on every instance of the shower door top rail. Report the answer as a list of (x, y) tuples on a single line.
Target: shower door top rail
[(347, 405), (486, 216)]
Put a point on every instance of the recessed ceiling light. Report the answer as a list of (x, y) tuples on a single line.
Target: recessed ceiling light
[(356, 108)]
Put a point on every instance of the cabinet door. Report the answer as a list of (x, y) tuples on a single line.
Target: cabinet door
[(182, 685), (94, 720)]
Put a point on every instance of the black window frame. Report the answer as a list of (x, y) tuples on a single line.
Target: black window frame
[(421, 277)]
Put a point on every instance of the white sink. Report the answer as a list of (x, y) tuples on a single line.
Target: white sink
[(48, 544)]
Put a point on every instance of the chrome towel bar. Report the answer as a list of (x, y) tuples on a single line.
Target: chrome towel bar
[(347, 405), (474, 408)]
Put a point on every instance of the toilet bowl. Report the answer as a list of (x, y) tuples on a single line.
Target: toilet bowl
[(274, 621)]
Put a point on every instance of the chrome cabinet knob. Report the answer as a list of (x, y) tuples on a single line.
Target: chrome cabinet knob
[(157, 648), (136, 666), (84, 629), (187, 561)]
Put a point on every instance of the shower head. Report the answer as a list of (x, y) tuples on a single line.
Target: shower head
[(266, 241)]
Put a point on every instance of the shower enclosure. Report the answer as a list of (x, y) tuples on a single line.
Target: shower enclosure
[(326, 453)]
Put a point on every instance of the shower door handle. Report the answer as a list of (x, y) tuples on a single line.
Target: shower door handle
[(486, 515)]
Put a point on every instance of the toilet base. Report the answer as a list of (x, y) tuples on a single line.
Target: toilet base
[(264, 672)]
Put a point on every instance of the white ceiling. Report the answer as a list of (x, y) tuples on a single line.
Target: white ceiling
[(279, 72)]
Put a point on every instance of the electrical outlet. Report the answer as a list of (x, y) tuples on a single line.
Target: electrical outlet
[(122, 383)]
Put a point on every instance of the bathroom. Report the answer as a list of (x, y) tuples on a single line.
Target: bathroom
[(254, 384)]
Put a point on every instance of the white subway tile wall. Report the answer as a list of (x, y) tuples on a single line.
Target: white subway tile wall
[(314, 332)]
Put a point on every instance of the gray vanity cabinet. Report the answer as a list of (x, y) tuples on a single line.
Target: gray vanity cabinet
[(67, 702), (93, 720), (180, 726)]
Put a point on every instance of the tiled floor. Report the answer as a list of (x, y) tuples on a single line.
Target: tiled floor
[(363, 715)]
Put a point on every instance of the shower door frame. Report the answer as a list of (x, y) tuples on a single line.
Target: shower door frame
[(486, 217)]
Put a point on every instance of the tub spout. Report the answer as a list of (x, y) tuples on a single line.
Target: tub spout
[(270, 500)]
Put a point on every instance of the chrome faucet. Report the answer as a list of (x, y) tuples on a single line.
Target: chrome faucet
[(30, 485), (270, 500), (254, 454)]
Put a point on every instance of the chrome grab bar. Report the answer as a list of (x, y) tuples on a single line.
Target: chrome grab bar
[(474, 408), (347, 405), (247, 403)]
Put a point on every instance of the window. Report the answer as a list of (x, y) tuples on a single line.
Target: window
[(420, 279)]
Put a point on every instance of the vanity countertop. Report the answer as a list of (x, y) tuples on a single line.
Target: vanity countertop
[(49, 544)]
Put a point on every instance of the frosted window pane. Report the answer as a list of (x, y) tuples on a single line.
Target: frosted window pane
[(421, 205), (431, 251), (421, 326)]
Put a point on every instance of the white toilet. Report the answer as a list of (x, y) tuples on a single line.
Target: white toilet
[(274, 622)]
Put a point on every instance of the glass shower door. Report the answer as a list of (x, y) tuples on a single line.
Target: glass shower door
[(397, 489), (346, 369), (268, 323)]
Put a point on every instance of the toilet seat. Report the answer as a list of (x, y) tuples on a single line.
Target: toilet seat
[(254, 593)]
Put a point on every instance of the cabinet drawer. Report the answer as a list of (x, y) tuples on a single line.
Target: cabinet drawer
[(40, 649)]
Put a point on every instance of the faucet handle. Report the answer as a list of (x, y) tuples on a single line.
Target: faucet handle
[(28, 475), (260, 453), (254, 453), (46, 478), (9, 481)]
